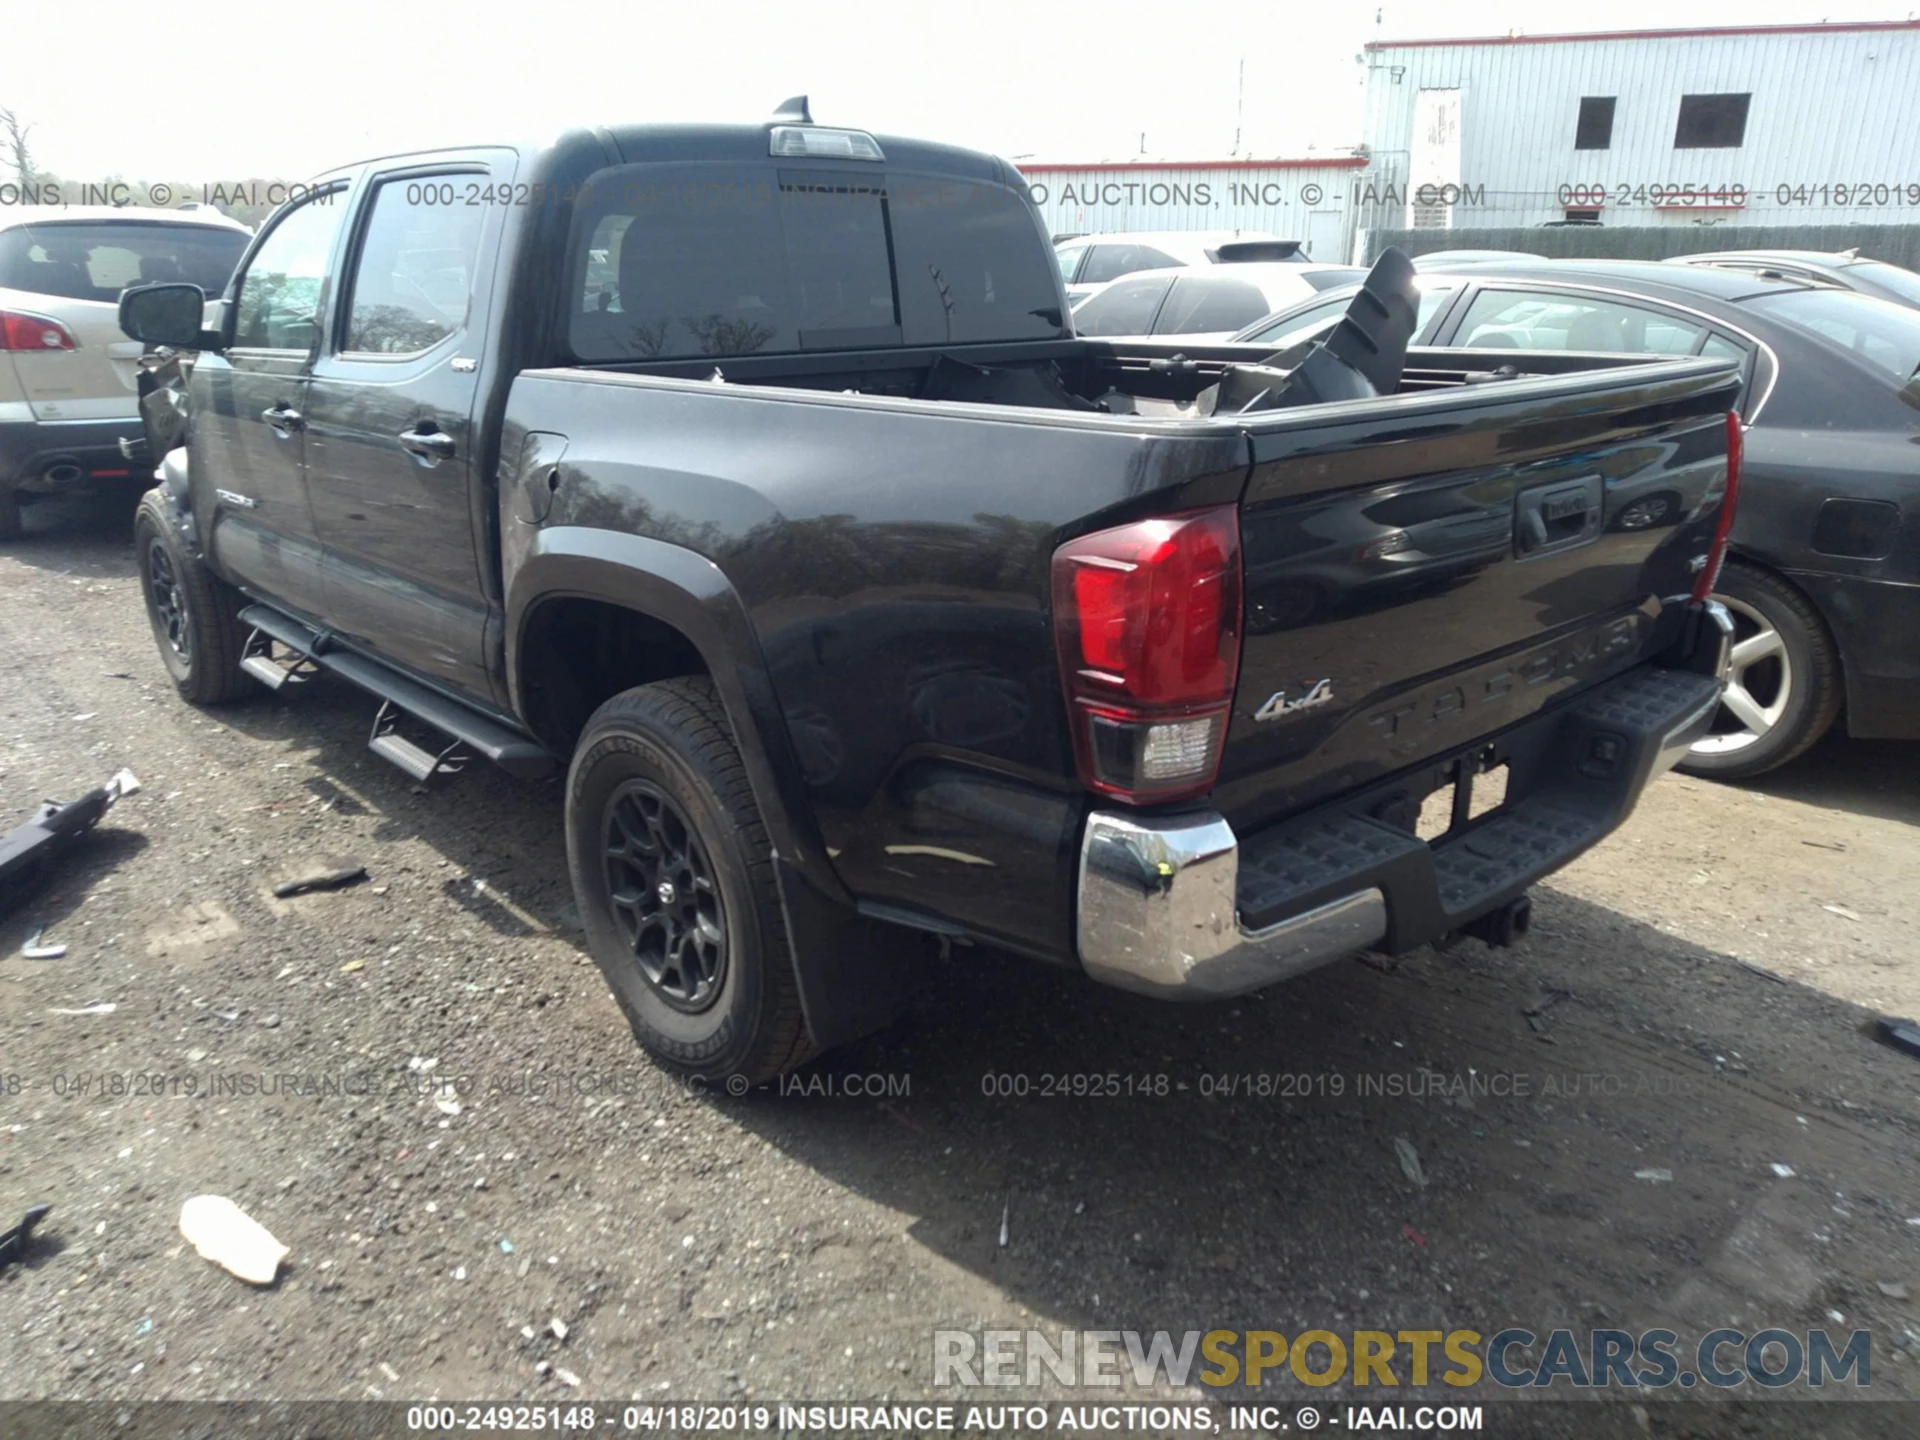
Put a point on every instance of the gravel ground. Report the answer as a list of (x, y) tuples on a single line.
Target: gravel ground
[(1692, 1000)]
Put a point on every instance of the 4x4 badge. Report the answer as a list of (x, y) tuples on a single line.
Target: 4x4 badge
[(1278, 704)]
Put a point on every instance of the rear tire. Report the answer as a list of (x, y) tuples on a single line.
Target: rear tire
[(194, 613), (673, 873), (1784, 689)]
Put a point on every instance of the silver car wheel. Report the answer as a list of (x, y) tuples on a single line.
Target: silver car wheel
[(1760, 683)]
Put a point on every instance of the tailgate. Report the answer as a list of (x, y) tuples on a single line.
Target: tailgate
[(1440, 566)]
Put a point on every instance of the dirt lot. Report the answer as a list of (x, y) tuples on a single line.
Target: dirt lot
[(1691, 1000)]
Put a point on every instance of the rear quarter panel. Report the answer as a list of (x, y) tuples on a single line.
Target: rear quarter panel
[(893, 564)]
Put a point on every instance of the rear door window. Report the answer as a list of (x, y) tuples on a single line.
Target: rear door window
[(1110, 262), (96, 260), (1883, 335), (673, 261), (414, 276), (1126, 307), (1536, 320), (1205, 301)]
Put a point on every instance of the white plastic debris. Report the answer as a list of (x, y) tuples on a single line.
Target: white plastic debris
[(104, 1008), (1654, 1177), (1842, 911), (446, 1104), (225, 1234), (559, 1328), (566, 1377), (1006, 1214), (1785, 1172), (123, 783), (1409, 1160), (34, 950)]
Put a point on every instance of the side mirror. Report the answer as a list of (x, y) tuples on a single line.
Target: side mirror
[(168, 314)]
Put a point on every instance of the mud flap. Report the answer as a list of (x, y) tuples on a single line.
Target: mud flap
[(855, 973)]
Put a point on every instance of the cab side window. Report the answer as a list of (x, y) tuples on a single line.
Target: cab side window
[(414, 276), (278, 305)]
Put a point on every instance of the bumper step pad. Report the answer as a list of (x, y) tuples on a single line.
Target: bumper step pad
[(1574, 775)]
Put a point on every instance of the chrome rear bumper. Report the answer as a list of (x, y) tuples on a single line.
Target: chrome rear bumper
[(1160, 899)]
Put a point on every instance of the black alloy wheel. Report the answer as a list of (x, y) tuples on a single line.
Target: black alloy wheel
[(664, 899)]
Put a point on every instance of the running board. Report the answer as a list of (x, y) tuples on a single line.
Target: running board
[(470, 732)]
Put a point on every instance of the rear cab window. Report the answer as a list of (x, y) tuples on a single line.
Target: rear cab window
[(680, 260), (96, 260)]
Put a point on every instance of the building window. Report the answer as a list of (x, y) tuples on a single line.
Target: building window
[(1583, 217), (1711, 122), (1595, 131)]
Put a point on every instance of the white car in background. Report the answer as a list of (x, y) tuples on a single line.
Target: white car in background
[(1204, 303), (68, 377), (1088, 262)]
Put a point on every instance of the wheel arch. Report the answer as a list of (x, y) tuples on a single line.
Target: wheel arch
[(853, 971), (687, 604)]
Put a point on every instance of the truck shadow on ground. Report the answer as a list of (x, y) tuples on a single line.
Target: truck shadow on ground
[(1241, 1165), (83, 535)]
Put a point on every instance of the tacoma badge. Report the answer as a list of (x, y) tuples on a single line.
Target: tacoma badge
[(1278, 704)]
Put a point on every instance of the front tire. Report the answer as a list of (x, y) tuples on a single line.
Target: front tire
[(194, 613), (1783, 687), (674, 876)]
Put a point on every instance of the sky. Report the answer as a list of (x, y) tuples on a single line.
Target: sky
[(277, 91)]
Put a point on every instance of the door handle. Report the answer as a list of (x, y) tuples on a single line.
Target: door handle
[(428, 444), (282, 418)]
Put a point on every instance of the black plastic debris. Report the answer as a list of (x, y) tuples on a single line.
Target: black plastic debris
[(321, 880), (26, 850), (1902, 1035), (13, 1243)]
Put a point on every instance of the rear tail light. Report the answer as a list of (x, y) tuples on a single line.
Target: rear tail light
[(32, 332), (1709, 575), (1147, 621)]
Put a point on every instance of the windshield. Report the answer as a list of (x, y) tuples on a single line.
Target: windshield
[(96, 260), (1886, 336), (1890, 278)]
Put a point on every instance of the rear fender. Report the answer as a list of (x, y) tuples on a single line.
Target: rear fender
[(852, 970)]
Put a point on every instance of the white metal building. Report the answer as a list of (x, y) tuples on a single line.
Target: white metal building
[(1306, 200), (1779, 125)]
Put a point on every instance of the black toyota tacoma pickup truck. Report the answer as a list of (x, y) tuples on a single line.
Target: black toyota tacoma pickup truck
[(754, 475)]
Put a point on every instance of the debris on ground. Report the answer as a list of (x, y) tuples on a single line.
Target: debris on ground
[(1410, 1161), (1893, 1289), (232, 1239), (1902, 1035), (1414, 1235), (1654, 1177), (335, 878), (34, 949), (1006, 1214), (106, 1007), (26, 850), (1842, 911), (1785, 1172), (566, 1377), (13, 1243), (558, 1327)]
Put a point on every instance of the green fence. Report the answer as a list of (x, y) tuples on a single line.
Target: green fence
[(1899, 244)]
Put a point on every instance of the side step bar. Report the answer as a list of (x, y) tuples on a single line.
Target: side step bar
[(471, 732)]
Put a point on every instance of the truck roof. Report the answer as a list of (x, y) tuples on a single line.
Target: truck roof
[(642, 144)]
